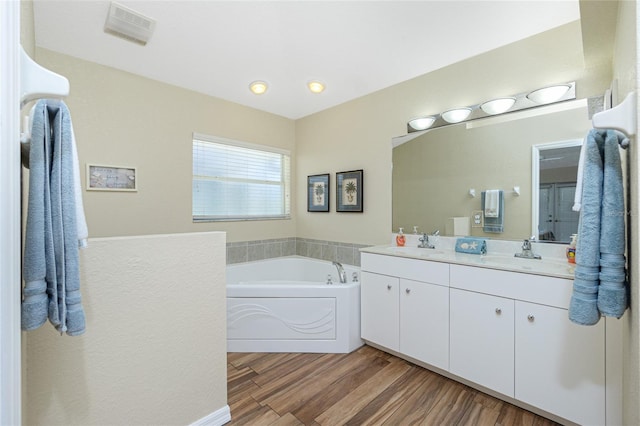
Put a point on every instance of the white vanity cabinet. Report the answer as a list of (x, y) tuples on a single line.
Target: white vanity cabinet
[(507, 332), (560, 366), (482, 339), (540, 358), (405, 307), (424, 322)]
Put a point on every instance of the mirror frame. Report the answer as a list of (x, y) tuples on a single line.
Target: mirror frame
[(535, 177)]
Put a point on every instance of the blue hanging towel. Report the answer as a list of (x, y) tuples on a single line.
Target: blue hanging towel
[(51, 264), (600, 283)]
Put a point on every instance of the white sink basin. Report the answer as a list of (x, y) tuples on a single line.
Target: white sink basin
[(527, 264), (416, 251)]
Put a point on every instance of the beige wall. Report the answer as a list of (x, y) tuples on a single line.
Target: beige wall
[(154, 349), (358, 134), (625, 64), (126, 120)]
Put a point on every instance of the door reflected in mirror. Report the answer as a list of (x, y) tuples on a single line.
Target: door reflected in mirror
[(556, 166)]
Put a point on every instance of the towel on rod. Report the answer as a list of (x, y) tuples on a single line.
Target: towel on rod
[(577, 200), (494, 224), (51, 264), (492, 203), (600, 277), (81, 222), (623, 141), (612, 293)]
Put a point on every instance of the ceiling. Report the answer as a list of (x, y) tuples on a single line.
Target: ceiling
[(355, 47)]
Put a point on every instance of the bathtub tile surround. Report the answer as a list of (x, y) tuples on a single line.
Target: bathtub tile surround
[(346, 253), (249, 251)]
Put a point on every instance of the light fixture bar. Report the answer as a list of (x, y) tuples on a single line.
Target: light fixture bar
[(497, 106)]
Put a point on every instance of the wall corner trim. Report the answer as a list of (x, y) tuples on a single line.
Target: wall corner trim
[(217, 418)]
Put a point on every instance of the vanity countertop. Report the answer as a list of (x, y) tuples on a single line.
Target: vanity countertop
[(547, 266)]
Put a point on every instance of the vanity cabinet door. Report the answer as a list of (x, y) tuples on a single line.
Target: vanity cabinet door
[(424, 322), (380, 309), (560, 366), (482, 339)]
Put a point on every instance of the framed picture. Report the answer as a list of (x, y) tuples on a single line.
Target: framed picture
[(349, 191), (318, 193), (111, 178)]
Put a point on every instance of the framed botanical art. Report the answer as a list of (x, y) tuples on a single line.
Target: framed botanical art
[(318, 193), (349, 191)]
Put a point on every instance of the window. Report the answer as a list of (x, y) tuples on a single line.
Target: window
[(239, 181)]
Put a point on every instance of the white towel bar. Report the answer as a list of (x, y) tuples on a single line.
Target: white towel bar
[(621, 117), (37, 82)]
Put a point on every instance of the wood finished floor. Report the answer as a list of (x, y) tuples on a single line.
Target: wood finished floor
[(366, 387)]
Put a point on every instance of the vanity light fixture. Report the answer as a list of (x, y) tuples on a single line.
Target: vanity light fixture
[(497, 106), (548, 94), (258, 87), (456, 115), (315, 86), (505, 104), (421, 123)]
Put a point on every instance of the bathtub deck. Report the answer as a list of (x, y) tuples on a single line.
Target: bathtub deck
[(367, 386)]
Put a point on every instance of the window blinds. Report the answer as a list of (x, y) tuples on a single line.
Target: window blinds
[(239, 181)]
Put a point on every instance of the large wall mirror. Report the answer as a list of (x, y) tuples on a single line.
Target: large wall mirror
[(434, 172)]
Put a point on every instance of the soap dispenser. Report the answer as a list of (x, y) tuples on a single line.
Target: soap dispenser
[(400, 239), (571, 250)]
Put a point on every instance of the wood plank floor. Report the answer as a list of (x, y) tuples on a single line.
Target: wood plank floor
[(366, 387)]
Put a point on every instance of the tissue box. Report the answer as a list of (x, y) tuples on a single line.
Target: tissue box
[(457, 226)]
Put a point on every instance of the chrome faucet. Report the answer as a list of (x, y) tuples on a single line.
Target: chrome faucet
[(341, 272), (424, 240), (527, 252)]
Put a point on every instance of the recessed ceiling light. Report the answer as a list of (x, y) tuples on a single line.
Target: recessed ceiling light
[(258, 87), (315, 86)]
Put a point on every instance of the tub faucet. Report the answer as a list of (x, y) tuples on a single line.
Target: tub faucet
[(341, 272), (527, 252)]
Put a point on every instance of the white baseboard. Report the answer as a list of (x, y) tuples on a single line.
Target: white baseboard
[(217, 418)]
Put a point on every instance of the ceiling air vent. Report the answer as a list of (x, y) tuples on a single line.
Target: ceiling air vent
[(129, 24)]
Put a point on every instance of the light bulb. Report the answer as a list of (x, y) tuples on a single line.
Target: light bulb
[(258, 87), (498, 106), (315, 86)]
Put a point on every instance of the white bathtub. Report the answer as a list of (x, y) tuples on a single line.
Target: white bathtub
[(285, 305)]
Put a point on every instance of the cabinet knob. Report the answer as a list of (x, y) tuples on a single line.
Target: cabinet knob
[(531, 318), (388, 286), (498, 311), (408, 290)]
